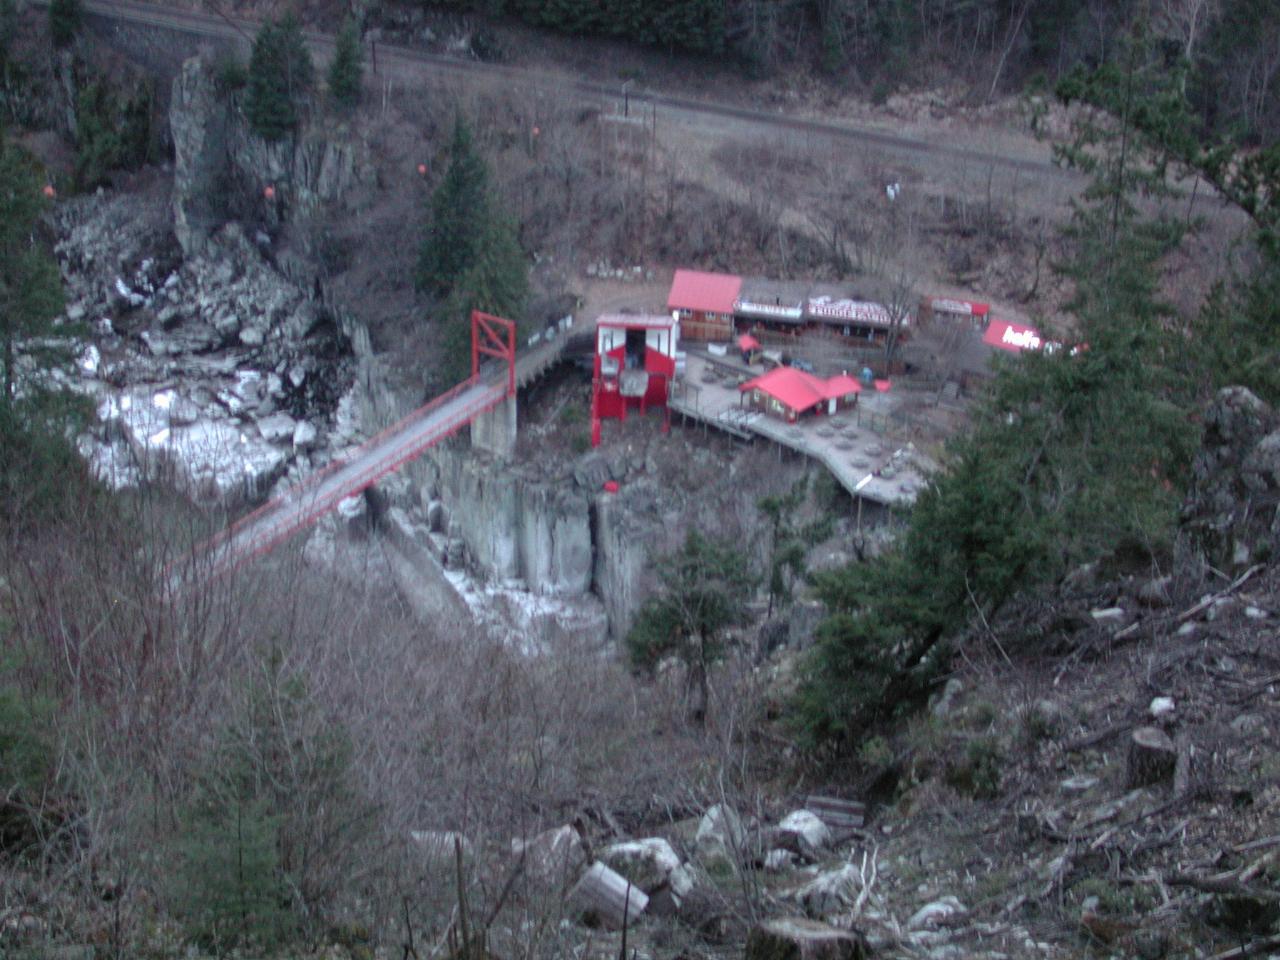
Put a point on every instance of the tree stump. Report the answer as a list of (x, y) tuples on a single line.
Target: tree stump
[(794, 938), (607, 898), (1152, 757)]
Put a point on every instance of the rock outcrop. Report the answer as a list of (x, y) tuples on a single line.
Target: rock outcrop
[(208, 370), (222, 170), (1231, 508)]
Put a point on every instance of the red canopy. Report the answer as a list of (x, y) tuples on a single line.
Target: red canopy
[(883, 386), (708, 292), (748, 342)]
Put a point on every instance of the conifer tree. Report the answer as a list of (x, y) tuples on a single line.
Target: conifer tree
[(470, 257), (30, 285), (280, 78), (704, 586), (459, 210), (65, 17), (345, 71)]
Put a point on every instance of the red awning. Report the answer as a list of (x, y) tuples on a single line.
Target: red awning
[(1012, 336), (708, 292), (964, 307), (748, 342)]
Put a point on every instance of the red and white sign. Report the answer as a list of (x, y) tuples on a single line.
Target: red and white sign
[(863, 312), (1012, 336)]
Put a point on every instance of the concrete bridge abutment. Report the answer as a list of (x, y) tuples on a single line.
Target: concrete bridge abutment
[(495, 431)]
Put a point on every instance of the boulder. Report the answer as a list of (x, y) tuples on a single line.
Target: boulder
[(591, 471), (831, 892), (304, 435), (721, 840), (795, 938), (937, 913), (944, 703), (553, 856), (1230, 507), (808, 828), (277, 428), (647, 863)]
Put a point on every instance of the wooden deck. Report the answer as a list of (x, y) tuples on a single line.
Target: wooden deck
[(853, 444)]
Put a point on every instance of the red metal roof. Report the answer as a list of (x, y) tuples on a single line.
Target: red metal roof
[(798, 390), (1012, 336), (841, 385), (708, 292)]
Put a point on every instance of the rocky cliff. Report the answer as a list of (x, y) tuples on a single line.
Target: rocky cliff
[(222, 170)]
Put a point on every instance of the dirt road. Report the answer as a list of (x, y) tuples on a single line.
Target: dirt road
[(969, 162)]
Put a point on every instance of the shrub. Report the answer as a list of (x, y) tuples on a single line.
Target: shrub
[(978, 772), (112, 131), (26, 760), (231, 74)]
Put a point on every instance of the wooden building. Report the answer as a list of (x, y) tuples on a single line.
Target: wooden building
[(840, 309), (790, 393), (952, 310), (775, 305), (703, 303)]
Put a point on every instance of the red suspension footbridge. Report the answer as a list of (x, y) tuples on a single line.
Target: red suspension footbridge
[(302, 504)]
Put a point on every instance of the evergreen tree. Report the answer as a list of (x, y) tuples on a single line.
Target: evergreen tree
[(459, 212), (280, 78), (33, 422), (470, 257), (496, 281), (346, 68), (8, 27), (65, 18), (274, 822), (1073, 455), (704, 588), (30, 284)]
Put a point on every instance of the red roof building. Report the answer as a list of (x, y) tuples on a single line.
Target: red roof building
[(703, 303), (789, 392)]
